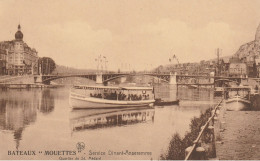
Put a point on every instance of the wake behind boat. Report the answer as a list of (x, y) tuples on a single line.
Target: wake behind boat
[(110, 97)]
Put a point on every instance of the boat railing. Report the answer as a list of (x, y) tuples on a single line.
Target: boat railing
[(121, 96)]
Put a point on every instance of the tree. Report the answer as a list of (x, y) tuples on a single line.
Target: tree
[(46, 65)]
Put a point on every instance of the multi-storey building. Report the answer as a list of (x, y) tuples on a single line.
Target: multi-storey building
[(238, 70), (2, 62), (19, 57)]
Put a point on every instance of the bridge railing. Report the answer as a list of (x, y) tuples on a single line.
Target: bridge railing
[(203, 128)]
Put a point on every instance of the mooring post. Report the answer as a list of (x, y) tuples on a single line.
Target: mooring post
[(200, 153), (217, 112), (212, 149), (222, 125), (187, 151)]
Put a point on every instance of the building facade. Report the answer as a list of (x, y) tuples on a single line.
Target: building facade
[(2, 62), (19, 57), (238, 70)]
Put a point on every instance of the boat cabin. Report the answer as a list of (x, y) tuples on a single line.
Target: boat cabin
[(243, 91), (116, 93)]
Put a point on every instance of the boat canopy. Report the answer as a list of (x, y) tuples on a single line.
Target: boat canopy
[(227, 80), (137, 88), (243, 88), (112, 87)]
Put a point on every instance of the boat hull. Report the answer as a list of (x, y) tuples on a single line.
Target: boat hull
[(237, 104), (80, 102)]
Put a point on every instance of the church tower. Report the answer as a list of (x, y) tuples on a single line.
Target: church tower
[(257, 35)]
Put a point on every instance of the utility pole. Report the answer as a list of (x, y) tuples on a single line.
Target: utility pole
[(105, 62), (47, 66), (218, 65), (99, 61)]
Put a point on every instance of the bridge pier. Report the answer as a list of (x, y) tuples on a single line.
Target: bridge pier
[(38, 79), (212, 79), (99, 79), (122, 79), (173, 79)]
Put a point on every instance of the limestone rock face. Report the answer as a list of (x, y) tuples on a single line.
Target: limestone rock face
[(251, 49)]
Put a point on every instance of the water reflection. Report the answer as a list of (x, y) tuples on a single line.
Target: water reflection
[(18, 109), (102, 118), (46, 101), (198, 94), (173, 92), (29, 114), (166, 92)]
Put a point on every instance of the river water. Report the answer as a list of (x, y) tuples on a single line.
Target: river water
[(41, 120)]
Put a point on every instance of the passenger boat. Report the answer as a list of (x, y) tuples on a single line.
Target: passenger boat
[(238, 98), (110, 97), (221, 84), (237, 103)]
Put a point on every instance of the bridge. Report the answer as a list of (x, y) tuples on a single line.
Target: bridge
[(104, 78), (99, 78), (170, 78)]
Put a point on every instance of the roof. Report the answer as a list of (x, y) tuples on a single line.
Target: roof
[(242, 87), (137, 88), (226, 60), (116, 88)]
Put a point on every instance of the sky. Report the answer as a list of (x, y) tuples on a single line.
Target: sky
[(131, 34)]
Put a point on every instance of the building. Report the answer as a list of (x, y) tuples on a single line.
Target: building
[(2, 62), (19, 57), (237, 70), (224, 66)]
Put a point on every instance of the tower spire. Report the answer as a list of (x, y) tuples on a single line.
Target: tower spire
[(257, 35)]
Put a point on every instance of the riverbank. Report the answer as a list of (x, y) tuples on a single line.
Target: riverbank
[(240, 139), (5, 86)]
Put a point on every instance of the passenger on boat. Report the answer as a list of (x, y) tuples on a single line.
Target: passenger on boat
[(120, 96)]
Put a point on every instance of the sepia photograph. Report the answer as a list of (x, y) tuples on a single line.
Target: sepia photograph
[(129, 80)]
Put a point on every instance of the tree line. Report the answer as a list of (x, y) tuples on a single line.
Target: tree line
[(46, 65)]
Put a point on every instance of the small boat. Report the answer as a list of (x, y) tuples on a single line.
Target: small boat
[(160, 102), (237, 103), (110, 97)]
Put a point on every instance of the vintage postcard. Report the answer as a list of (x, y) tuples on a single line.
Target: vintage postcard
[(129, 80)]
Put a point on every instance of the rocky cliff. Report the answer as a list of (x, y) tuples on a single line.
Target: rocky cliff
[(251, 49)]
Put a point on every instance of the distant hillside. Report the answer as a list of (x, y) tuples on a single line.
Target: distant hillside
[(69, 70)]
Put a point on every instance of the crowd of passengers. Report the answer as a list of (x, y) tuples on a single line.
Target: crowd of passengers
[(121, 96)]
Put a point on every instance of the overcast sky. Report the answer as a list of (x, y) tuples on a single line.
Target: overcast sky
[(143, 33)]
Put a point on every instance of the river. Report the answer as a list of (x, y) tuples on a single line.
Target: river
[(41, 120)]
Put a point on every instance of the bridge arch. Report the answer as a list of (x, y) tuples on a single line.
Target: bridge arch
[(164, 78), (47, 79)]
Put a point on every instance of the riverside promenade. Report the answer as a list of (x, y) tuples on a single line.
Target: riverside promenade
[(238, 137)]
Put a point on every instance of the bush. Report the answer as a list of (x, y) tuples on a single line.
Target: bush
[(177, 146)]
